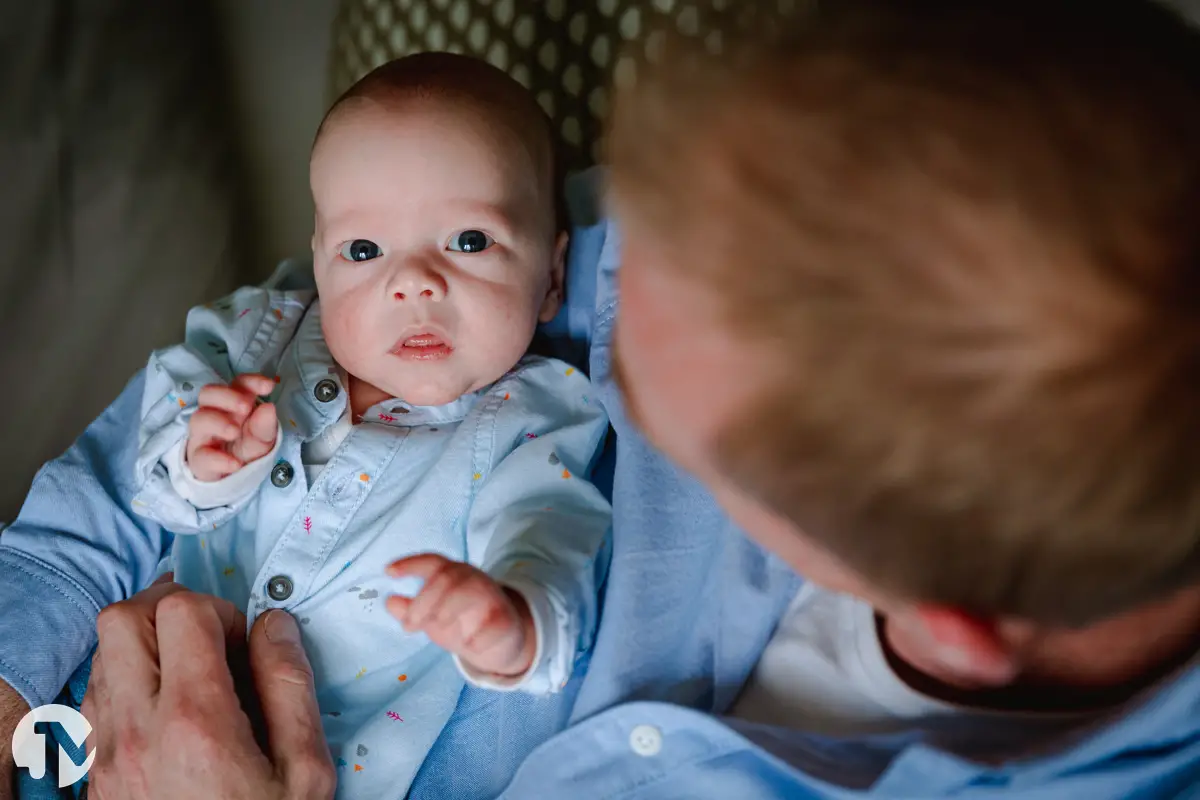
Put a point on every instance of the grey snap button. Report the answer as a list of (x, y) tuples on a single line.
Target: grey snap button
[(326, 390), (282, 474), (280, 588)]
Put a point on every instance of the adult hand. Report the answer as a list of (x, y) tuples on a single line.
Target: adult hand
[(165, 712), (12, 709)]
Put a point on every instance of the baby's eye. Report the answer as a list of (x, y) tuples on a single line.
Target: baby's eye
[(470, 242), (360, 250)]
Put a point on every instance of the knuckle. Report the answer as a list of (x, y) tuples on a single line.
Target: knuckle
[(314, 778), (291, 670), (119, 616), (188, 607)]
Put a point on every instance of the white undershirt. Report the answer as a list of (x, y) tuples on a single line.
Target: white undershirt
[(824, 671)]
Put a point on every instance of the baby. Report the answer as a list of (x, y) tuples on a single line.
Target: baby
[(407, 428)]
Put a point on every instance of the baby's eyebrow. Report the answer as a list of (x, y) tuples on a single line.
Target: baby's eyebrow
[(490, 214)]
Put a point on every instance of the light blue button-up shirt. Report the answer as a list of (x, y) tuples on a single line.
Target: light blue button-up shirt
[(496, 478), (688, 608)]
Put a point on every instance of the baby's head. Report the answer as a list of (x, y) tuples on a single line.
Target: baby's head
[(436, 245), (934, 321)]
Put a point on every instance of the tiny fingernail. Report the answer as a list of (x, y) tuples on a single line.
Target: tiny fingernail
[(281, 627)]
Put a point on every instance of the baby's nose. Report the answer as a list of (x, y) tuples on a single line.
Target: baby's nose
[(428, 292), (419, 282)]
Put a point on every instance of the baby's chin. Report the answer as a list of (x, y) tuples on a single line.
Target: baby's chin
[(432, 389)]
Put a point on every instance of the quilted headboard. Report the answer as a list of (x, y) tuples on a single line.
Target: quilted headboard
[(568, 52)]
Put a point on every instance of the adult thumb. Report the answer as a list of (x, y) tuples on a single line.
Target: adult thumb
[(284, 681)]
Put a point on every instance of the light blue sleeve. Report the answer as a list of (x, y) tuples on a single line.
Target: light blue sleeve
[(75, 548), (537, 523), (243, 333)]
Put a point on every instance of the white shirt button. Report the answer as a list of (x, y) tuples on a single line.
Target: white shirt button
[(645, 740)]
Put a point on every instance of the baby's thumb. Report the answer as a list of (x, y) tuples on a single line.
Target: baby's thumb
[(262, 423), (258, 434)]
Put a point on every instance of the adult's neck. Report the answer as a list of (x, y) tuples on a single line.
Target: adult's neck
[(1097, 666)]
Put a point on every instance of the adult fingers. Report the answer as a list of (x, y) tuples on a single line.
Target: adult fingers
[(96, 710), (193, 631), (127, 647), (284, 680)]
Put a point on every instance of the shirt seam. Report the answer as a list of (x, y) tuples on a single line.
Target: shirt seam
[(41, 579)]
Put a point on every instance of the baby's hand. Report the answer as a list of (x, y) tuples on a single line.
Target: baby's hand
[(464, 611), (227, 431)]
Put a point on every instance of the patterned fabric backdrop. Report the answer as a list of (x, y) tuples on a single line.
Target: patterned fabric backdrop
[(568, 52)]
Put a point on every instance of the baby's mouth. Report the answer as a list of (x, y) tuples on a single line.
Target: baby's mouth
[(422, 347)]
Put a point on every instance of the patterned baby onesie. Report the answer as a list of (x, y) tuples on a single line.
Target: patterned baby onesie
[(496, 478)]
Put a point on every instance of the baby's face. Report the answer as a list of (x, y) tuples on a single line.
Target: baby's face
[(434, 256)]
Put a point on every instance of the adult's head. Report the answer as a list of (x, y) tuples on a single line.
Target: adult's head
[(915, 290)]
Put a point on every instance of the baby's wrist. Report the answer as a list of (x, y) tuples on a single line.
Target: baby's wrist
[(528, 630)]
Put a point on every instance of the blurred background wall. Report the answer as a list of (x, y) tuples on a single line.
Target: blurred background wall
[(153, 155), (278, 54)]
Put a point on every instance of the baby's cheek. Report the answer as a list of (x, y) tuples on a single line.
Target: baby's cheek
[(502, 328), (343, 328)]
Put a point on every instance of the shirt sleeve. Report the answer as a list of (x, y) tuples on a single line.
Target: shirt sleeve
[(537, 524), (232, 490), (75, 548), (245, 332)]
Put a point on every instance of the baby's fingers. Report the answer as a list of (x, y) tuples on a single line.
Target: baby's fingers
[(258, 435), (212, 463), (208, 425), (236, 403), (254, 385)]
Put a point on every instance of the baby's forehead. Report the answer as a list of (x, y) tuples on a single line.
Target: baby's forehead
[(449, 84), (442, 104)]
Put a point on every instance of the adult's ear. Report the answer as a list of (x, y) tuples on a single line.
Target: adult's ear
[(957, 647)]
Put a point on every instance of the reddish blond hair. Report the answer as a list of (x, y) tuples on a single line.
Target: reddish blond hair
[(967, 234)]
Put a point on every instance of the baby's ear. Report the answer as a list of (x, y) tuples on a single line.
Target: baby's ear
[(554, 293)]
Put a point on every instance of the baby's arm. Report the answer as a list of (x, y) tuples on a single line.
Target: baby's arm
[(536, 532), (204, 442)]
